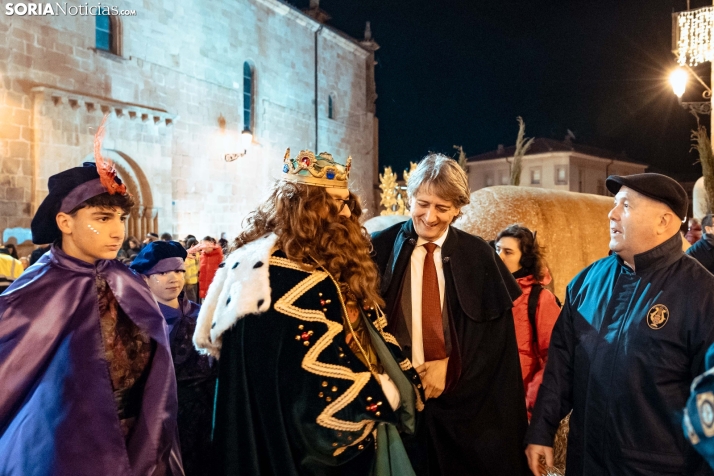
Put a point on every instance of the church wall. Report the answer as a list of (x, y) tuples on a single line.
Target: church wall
[(180, 75)]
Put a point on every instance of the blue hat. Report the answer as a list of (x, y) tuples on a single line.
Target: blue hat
[(160, 257)]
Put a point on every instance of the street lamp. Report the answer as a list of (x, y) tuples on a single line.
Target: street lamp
[(246, 138), (678, 79), (692, 44)]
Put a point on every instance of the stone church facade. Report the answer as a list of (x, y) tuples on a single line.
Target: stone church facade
[(181, 82)]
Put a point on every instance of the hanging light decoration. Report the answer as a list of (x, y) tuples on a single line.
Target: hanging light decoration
[(695, 42)]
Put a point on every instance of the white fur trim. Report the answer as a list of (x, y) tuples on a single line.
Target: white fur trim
[(241, 287)]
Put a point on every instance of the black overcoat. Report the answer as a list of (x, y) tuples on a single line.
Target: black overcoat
[(478, 426)]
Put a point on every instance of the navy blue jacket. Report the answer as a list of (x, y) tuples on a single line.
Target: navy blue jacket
[(623, 354), (703, 251), (195, 387)]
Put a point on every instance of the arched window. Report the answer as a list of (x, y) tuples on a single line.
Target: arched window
[(104, 33), (330, 110), (247, 97)]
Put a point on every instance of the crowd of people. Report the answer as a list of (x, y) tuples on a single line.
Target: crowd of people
[(201, 262), (209, 251), (313, 348)]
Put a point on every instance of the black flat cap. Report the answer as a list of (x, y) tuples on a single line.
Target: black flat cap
[(655, 186)]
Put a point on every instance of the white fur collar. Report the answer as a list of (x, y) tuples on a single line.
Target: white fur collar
[(241, 287)]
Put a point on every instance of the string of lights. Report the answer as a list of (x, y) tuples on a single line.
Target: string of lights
[(696, 36)]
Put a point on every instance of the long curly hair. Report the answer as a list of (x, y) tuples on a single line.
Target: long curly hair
[(306, 221), (532, 253)]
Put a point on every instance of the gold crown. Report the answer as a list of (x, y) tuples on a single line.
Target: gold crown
[(320, 171)]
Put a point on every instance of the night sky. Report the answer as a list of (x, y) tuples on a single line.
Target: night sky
[(459, 72)]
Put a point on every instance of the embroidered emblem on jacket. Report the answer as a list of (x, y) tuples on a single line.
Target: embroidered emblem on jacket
[(691, 434), (705, 407), (657, 316)]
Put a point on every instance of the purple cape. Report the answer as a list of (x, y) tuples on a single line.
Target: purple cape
[(172, 316), (57, 409)]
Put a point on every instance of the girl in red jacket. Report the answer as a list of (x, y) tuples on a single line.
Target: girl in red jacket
[(210, 258), (536, 310)]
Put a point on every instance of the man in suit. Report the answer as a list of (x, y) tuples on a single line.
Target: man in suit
[(448, 301)]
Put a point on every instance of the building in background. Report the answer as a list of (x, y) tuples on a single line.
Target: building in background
[(185, 84), (552, 164)]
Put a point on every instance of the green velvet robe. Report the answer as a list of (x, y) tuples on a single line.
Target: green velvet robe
[(292, 398)]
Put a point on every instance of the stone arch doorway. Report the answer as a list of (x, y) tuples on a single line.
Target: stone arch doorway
[(144, 217)]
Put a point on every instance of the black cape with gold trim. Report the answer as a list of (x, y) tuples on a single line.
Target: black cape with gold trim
[(477, 426), (292, 398)]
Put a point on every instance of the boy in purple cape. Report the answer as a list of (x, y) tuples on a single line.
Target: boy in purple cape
[(161, 263), (88, 384)]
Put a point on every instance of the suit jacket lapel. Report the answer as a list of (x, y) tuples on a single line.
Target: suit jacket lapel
[(450, 244), (398, 264), (406, 299)]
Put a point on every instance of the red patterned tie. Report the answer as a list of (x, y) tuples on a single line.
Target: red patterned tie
[(431, 324)]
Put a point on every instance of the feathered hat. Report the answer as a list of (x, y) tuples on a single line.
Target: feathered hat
[(70, 188)]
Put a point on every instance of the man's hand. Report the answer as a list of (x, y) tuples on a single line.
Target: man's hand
[(537, 453), (433, 377)]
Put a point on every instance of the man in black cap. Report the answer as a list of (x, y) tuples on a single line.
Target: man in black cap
[(630, 339), (161, 263), (87, 382)]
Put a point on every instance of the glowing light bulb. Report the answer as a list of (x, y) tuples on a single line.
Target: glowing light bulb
[(246, 138), (678, 79)]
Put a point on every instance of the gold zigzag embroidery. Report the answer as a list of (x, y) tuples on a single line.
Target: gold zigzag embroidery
[(405, 364), (311, 363), (287, 263), (390, 338)]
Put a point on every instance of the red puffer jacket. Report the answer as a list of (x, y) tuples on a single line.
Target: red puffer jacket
[(534, 356), (210, 260)]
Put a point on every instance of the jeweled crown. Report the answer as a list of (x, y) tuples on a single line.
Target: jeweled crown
[(320, 170)]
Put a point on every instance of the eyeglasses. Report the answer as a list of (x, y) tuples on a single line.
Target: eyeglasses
[(351, 203)]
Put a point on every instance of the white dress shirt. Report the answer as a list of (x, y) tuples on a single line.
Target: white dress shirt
[(417, 270)]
